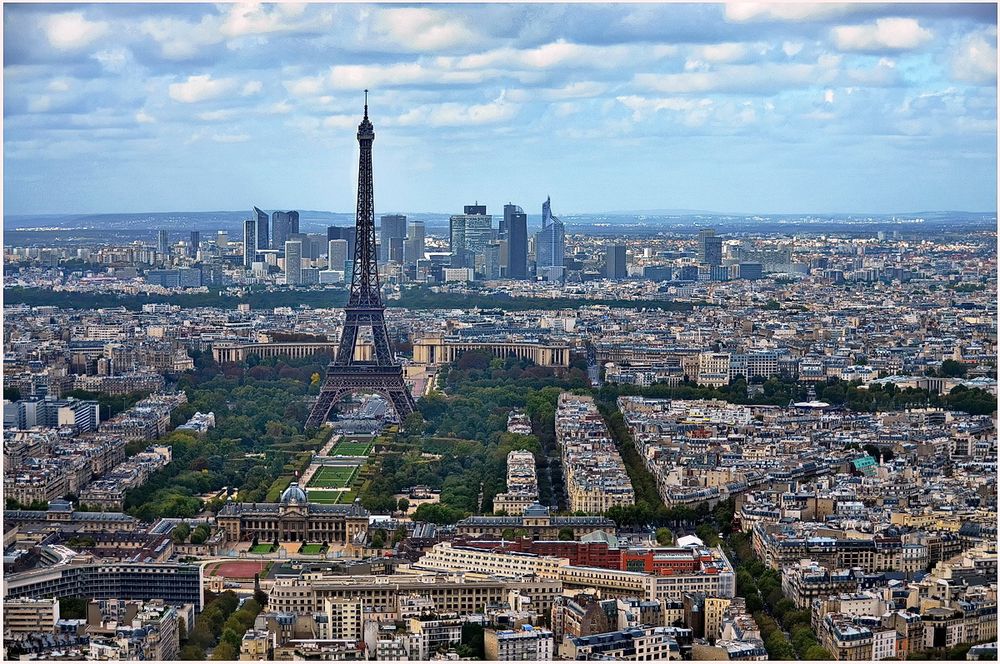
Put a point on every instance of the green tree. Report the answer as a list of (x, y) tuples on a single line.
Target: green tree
[(566, 535), (953, 369), (817, 653)]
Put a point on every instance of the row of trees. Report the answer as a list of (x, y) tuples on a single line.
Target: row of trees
[(221, 626)]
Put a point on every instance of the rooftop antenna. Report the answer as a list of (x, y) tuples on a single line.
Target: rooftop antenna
[(366, 102)]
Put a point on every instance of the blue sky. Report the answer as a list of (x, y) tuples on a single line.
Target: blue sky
[(733, 108)]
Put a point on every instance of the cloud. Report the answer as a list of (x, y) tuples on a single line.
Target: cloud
[(784, 11), (693, 111), (142, 117), (886, 34), (423, 29), (561, 53), (454, 114), (113, 59), (71, 31), (251, 88), (762, 79), (201, 88), (975, 59), (217, 115), (791, 49)]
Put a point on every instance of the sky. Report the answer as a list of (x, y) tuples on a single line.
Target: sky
[(744, 108)]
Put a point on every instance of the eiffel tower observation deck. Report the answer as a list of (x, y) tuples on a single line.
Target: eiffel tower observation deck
[(379, 375)]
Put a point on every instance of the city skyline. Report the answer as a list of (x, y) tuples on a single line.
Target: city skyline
[(721, 108)]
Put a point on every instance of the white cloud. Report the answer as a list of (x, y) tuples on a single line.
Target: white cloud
[(791, 49), (897, 34), (423, 29), (216, 116), (280, 108), (693, 112), (251, 88), (784, 11), (39, 104), (59, 85), (201, 88), (142, 117), (71, 31), (340, 122), (305, 87), (560, 53), (452, 114), (182, 40), (726, 52), (113, 59), (975, 59), (765, 78), (577, 90), (828, 96)]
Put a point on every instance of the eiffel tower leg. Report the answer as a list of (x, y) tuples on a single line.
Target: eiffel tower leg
[(328, 396)]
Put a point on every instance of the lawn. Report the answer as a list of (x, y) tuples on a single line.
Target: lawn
[(333, 477), (312, 549), (323, 497), (357, 449), (263, 548)]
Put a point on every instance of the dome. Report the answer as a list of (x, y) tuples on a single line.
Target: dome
[(293, 494)]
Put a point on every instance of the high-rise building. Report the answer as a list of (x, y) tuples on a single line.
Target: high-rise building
[(283, 226), (263, 229), (222, 240), (550, 242), (337, 254), (249, 242), (342, 233), (413, 250), (393, 228), (709, 247), (162, 243), (514, 230), (293, 262), (615, 262), (195, 244)]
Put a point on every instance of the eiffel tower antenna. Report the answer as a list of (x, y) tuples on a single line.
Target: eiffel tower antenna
[(381, 374)]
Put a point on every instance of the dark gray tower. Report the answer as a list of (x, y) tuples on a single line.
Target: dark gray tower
[(515, 232), (263, 228), (345, 374), (283, 226)]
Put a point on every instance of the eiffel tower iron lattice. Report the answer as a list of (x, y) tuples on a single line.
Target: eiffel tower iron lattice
[(381, 375)]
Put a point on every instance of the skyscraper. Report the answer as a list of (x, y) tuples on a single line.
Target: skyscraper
[(550, 242), (709, 247), (249, 242), (515, 231), (391, 238), (471, 232), (337, 254), (413, 250), (342, 233), (162, 243), (615, 263), (195, 244), (263, 229), (283, 225), (293, 262), (222, 240)]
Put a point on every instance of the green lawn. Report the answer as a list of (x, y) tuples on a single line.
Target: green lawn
[(263, 548), (333, 477), (345, 448), (323, 497), (312, 549)]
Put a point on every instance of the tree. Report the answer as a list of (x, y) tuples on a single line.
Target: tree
[(566, 535), (953, 369), (225, 652), (378, 539), (664, 537), (192, 653), (403, 505), (814, 653)]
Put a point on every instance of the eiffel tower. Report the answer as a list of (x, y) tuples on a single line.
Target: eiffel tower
[(346, 374)]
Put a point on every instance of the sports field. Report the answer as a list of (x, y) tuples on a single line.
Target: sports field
[(351, 448), (333, 477), (237, 569)]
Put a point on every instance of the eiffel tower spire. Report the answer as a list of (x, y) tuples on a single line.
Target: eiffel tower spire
[(346, 374)]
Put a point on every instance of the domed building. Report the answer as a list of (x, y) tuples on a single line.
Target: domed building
[(293, 519)]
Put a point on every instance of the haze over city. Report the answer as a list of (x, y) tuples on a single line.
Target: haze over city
[(739, 108)]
